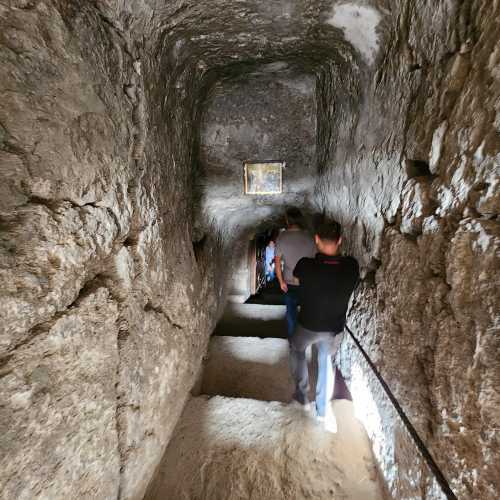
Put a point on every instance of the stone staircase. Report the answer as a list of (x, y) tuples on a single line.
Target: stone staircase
[(241, 439)]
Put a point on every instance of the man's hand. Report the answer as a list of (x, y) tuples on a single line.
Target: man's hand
[(279, 274)]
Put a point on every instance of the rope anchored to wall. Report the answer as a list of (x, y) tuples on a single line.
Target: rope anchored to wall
[(413, 432)]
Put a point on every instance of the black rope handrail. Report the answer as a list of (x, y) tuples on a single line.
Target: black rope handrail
[(433, 466)]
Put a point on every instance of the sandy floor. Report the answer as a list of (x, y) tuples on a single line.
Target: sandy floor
[(229, 449)]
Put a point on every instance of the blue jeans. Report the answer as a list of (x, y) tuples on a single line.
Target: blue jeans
[(327, 344), (292, 304)]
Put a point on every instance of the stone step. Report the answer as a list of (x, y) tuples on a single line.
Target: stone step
[(231, 449), (252, 320), (248, 367)]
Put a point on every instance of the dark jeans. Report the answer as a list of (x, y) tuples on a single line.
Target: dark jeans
[(292, 304)]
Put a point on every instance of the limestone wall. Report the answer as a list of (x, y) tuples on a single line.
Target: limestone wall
[(269, 114), (415, 184), (105, 311)]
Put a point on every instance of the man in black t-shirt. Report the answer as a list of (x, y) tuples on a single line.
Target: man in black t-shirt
[(326, 285)]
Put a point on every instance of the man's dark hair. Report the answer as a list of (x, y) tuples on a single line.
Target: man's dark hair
[(317, 220), (294, 217), (329, 230)]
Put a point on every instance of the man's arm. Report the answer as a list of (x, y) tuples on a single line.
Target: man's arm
[(298, 269), (279, 274)]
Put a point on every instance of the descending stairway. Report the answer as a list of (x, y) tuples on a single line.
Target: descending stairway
[(241, 439), (248, 367)]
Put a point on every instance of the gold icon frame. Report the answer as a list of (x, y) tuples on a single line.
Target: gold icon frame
[(263, 177)]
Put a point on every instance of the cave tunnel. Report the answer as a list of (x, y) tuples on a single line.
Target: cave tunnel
[(126, 129)]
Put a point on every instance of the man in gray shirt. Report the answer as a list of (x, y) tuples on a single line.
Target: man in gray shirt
[(291, 246)]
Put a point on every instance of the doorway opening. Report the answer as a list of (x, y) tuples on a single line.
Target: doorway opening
[(265, 289)]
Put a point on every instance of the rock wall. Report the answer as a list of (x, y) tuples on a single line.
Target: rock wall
[(105, 308), (418, 197), (239, 284), (268, 115)]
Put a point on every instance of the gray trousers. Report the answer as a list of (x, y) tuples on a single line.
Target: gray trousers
[(327, 344)]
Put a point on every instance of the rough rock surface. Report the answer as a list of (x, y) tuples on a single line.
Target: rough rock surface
[(268, 115), (227, 448), (429, 314), (65, 379), (99, 201), (104, 313)]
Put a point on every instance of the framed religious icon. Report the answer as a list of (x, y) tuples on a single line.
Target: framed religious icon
[(264, 177)]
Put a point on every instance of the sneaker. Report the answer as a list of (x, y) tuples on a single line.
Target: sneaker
[(306, 408), (329, 422)]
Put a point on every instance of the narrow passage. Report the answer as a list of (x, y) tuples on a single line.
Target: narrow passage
[(242, 439)]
